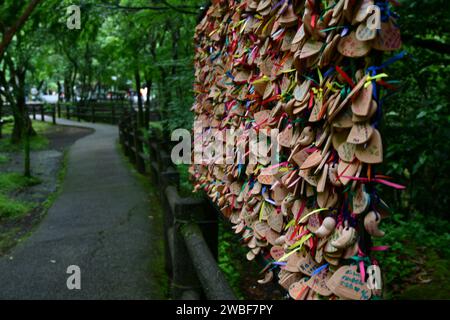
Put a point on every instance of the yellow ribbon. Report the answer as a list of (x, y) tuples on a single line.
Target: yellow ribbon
[(298, 244), (214, 31), (261, 211), (377, 77), (331, 86), (318, 93), (268, 24), (288, 71), (243, 26), (292, 222), (261, 80), (310, 214), (320, 76)]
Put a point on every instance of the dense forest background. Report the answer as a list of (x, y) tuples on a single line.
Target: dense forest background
[(127, 45)]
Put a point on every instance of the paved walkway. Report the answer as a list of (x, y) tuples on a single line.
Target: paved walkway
[(100, 222)]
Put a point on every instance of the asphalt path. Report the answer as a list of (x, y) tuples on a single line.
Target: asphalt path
[(99, 223)]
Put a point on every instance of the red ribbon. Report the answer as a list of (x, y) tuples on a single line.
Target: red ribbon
[(346, 77)]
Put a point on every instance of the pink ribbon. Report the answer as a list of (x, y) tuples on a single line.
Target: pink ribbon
[(383, 181), (380, 248)]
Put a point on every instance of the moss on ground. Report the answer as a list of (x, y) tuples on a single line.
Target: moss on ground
[(8, 239), (435, 286)]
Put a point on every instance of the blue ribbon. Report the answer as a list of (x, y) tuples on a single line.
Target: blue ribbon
[(386, 11), (373, 70), (328, 72), (319, 269)]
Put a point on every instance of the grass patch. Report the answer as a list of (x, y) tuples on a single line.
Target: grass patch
[(37, 142), (38, 126), (10, 182), (13, 182), (10, 208)]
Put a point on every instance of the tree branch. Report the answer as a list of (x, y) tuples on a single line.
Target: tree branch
[(167, 6), (429, 44), (8, 36)]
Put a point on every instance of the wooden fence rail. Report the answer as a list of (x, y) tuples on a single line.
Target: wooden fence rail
[(190, 224), (108, 111)]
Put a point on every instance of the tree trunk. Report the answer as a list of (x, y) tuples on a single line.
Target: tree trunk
[(148, 103), (26, 149), (22, 122), (163, 98)]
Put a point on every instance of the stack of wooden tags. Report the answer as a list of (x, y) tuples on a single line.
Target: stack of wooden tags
[(302, 67)]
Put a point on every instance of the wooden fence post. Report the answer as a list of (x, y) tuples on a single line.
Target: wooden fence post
[(68, 111), (113, 114), (130, 141), (78, 106), (54, 114), (184, 277), (139, 149), (42, 112), (92, 112), (125, 132), (168, 178)]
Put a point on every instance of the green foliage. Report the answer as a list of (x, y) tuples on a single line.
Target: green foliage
[(416, 131), (417, 118), (156, 129), (230, 258), (414, 245), (185, 185), (186, 188), (3, 158)]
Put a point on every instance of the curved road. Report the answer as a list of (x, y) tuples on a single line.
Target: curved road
[(100, 222)]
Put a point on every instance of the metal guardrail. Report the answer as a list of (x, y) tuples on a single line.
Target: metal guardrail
[(190, 224)]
